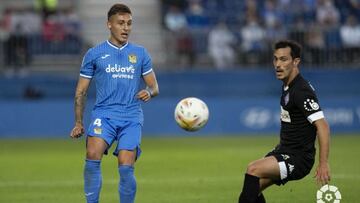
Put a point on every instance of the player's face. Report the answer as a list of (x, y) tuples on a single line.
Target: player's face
[(120, 28), (285, 66)]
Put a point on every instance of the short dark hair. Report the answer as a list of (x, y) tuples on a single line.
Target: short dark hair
[(294, 46), (118, 8)]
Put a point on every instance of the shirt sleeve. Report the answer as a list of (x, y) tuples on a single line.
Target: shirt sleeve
[(87, 66), (307, 102), (147, 64)]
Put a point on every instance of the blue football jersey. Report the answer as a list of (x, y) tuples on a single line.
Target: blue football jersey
[(118, 75)]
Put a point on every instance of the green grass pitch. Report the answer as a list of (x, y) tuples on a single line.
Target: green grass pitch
[(191, 169)]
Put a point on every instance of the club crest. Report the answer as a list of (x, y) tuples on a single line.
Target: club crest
[(97, 131), (132, 58)]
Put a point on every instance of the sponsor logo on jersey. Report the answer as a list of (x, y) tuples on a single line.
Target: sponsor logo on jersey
[(132, 58), (284, 115), (117, 71), (311, 105)]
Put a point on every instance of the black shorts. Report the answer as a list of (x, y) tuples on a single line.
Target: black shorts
[(293, 166)]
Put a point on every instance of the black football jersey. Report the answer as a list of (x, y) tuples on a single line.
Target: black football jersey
[(299, 109)]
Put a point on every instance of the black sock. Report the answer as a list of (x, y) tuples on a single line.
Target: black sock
[(250, 190), (261, 199)]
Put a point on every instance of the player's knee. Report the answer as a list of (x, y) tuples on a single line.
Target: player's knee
[(93, 154), (126, 157), (253, 169), (126, 161)]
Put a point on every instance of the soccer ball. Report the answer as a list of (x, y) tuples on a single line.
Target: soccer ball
[(191, 114)]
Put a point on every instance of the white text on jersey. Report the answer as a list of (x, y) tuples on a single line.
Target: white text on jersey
[(121, 72)]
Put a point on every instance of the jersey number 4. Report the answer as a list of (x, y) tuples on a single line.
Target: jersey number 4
[(97, 122)]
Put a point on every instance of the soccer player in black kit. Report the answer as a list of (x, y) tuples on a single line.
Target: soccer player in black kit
[(301, 121)]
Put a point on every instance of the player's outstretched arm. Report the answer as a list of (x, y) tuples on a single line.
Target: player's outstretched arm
[(152, 88), (322, 173), (80, 100)]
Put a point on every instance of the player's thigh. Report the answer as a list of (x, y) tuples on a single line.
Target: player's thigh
[(266, 167), (95, 148), (129, 140), (101, 134)]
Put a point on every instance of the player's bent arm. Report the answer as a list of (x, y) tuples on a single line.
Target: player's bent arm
[(323, 169), (152, 87), (151, 84)]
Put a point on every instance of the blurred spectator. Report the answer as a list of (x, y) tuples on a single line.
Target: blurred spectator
[(350, 37), (348, 7), (271, 14), (71, 22), (33, 22), (251, 7), (72, 29), (186, 55), (221, 43), (274, 27), (327, 14), (22, 24), (175, 19), (309, 10), (355, 8), (314, 23), (290, 11), (275, 32), (53, 29), (4, 32), (252, 41), (179, 44), (298, 29), (314, 44), (196, 15), (62, 33)]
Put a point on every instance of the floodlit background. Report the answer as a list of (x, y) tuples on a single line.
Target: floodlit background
[(217, 50)]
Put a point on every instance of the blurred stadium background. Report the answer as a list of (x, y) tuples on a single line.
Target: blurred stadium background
[(219, 51)]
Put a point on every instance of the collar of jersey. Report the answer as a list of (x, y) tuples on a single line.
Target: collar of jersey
[(114, 46), (292, 82)]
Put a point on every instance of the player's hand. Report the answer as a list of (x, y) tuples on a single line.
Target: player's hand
[(77, 131), (144, 95), (322, 174)]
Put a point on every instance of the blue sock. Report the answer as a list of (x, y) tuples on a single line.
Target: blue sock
[(92, 180), (127, 184)]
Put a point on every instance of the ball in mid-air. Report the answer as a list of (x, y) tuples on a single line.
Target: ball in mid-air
[(191, 114)]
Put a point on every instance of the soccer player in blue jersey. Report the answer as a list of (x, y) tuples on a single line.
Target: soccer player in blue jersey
[(118, 68)]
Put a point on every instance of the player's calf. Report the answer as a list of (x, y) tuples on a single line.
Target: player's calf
[(92, 180), (127, 184)]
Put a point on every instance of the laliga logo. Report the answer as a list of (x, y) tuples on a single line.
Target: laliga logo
[(119, 69), (311, 105), (328, 194)]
